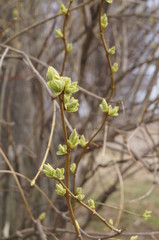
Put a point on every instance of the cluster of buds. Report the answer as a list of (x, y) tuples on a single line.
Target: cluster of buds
[(50, 172), (147, 214), (60, 190), (79, 195), (59, 84), (91, 203), (62, 150), (109, 1), (134, 237), (108, 109), (73, 141)]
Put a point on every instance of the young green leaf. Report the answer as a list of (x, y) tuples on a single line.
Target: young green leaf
[(73, 167)]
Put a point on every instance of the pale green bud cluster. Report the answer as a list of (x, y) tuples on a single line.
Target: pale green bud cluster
[(71, 104), (104, 21), (62, 150), (63, 9), (59, 173), (55, 82), (82, 141), (59, 33), (109, 1), (59, 84), (115, 67), (73, 167), (80, 196), (60, 190), (147, 214), (112, 112), (73, 139), (134, 237), (91, 203), (50, 172), (72, 142), (111, 51)]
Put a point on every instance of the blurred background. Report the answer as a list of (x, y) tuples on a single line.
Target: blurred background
[(120, 169)]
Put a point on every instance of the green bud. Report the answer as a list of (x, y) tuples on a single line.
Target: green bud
[(134, 237), (91, 203), (57, 85), (59, 33), (62, 150), (63, 9), (111, 221), (60, 190), (104, 21), (72, 105), (147, 214), (48, 170), (15, 13), (71, 88), (73, 167), (69, 47), (80, 197), (115, 67), (82, 141), (152, 19), (104, 106), (73, 139), (112, 112), (109, 1), (52, 74), (32, 183), (42, 216), (79, 190), (111, 51), (59, 173)]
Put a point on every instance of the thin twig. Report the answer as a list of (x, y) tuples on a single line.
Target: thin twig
[(18, 184), (49, 143)]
